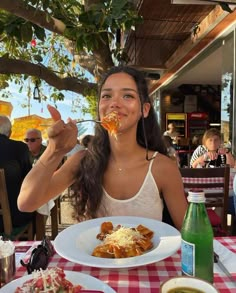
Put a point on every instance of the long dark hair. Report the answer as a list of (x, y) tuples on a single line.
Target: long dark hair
[(87, 189)]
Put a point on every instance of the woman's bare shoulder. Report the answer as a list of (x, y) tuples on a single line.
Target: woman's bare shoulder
[(161, 161), (163, 165)]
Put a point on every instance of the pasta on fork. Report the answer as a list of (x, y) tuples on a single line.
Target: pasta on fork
[(111, 123), (122, 242)]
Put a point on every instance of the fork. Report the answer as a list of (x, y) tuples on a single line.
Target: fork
[(90, 291), (77, 121), (87, 120)]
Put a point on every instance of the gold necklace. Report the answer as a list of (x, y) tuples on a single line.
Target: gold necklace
[(117, 167)]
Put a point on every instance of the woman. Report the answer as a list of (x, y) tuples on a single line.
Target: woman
[(172, 133), (123, 176), (210, 153)]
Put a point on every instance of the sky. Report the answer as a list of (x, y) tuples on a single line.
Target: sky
[(20, 109), (68, 108)]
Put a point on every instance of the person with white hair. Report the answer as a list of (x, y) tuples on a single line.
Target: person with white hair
[(14, 159)]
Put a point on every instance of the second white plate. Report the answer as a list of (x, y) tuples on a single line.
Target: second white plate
[(77, 242), (86, 281)]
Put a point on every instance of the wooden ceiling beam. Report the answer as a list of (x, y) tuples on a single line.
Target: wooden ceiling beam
[(208, 30)]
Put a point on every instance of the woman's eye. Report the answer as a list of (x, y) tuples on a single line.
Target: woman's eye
[(105, 96), (128, 96)]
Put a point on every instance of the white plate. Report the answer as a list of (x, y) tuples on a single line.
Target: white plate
[(77, 242), (86, 281)]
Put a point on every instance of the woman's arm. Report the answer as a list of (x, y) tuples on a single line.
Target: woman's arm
[(198, 157), (44, 181), (199, 161), (171, 187)]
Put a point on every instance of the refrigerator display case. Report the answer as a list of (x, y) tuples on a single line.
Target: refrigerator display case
[(197, 124), (180, 122)]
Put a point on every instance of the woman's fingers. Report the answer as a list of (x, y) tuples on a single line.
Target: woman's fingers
[(56, 128), (55, 114), (71, 120)]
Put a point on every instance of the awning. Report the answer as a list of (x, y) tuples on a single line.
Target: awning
[(22, 124), (5, 108)]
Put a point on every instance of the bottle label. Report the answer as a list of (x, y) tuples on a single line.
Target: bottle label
[(188, 258)]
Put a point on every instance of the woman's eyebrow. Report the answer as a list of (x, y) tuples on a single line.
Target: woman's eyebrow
[(123, 89), (129, 89)]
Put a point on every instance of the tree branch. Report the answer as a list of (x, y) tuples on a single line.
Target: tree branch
[(102, 55), (18, 7), (12, 66)]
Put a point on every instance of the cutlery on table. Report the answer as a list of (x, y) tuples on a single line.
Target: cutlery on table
[(223, 268), (90, 291)]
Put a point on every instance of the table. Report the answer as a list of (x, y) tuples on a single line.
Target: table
[(211, 180), (52, 210), (144, 279)]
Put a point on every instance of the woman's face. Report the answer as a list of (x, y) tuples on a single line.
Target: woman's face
[(119, 93), (213, 143)]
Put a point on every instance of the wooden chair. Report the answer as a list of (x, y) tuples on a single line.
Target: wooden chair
[(54, 221), (215, 183), (13, 233)]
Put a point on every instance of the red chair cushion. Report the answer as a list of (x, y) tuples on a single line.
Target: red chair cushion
[(214, 218)]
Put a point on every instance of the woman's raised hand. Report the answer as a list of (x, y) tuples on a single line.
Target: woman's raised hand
[(62, 136), (212, 155)]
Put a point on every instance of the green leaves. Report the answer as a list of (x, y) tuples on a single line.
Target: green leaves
[(89, 26), (104, 17), (39, 32), (26, 32)]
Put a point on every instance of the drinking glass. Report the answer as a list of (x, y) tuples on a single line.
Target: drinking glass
[(7, 269), (206, 160)]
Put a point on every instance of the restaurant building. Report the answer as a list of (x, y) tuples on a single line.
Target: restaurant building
[(188, 53)]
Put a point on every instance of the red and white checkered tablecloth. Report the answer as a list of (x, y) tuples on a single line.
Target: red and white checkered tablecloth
[(210, 180), (144, 279)]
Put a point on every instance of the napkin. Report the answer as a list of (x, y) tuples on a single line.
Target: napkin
[(7, 248), (46, 208), (227, 257)]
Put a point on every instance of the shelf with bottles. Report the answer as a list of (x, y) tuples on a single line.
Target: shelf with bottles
[(180, 122)]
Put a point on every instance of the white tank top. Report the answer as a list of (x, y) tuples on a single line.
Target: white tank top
[(146, 203)]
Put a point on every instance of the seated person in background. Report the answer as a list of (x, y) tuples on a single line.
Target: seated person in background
[(210, 153), (172, 133), (195, 141), (171, 152), (14, 159), (33, 139)]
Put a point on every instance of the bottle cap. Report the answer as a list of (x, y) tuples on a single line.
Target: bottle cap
[(196, 196)]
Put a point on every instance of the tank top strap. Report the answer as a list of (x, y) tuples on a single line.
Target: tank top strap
[(151, 162)]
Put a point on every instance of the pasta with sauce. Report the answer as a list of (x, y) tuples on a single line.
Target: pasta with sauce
[(122, 242), (111, 123)]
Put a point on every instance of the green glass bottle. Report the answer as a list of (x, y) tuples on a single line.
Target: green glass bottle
[(197, 255)]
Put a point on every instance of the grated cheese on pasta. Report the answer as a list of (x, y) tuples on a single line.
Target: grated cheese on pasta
[(123, 237), (51, 280)]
